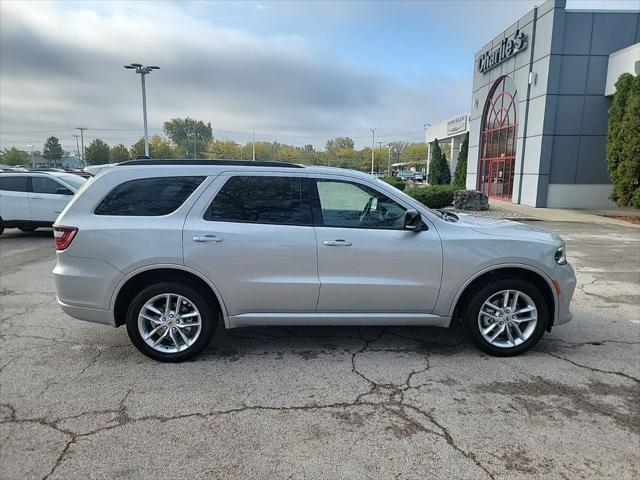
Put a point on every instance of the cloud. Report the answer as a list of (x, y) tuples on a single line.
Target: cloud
[(61, 67)]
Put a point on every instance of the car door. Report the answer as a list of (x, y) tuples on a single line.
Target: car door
[(251, 234), (48, 198), (14, 197), (367, 261)]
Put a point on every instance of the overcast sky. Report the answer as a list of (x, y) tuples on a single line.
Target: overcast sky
[(300, 71)]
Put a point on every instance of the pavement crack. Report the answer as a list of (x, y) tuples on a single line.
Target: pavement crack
[(594, 369)]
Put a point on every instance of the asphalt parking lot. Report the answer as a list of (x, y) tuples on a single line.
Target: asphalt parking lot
[(78, 401)]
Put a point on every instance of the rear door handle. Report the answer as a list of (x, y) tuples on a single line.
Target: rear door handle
[(337, 243), (207, 238)]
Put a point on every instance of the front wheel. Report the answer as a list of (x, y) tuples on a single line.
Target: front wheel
[(506, 317), (170, 322), (27, 229)]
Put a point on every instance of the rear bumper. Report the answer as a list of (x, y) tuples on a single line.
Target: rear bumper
[(96, 315)]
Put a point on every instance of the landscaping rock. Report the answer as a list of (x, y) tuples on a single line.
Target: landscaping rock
[(470, 200)]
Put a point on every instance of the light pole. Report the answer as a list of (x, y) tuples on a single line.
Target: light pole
[(373, 146), (143, 70), (31, 154), (426, 127), (389, 161), (82, 129), (195, 149), (253, 141)]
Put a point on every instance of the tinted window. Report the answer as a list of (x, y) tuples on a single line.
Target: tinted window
[(260, 200), (148, 196), (13, 183), (45, 185), (346, 204)]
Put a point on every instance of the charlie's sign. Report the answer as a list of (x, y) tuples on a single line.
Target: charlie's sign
[(508, 47)]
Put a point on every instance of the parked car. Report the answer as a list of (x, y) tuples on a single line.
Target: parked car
[(169, 248), (30, 199), (405, 175), (418, 176)]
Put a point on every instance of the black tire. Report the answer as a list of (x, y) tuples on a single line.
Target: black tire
[(207, 314), (470, 319), (27, 229)]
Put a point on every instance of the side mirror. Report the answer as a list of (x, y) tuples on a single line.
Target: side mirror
[(64, 191), (412, 220)]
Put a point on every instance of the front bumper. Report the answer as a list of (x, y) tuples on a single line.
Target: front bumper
[(566, 278)]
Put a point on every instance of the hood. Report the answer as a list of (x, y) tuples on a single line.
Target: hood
[(507, 228)]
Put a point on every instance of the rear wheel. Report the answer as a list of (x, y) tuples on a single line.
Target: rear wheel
[(506, 317), (170, 322)]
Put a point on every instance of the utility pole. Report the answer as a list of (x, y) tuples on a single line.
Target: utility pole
[(373, 146), (389, 162), (31, 154), (82, 129), (253, 141), (77, 144), (143, 70)]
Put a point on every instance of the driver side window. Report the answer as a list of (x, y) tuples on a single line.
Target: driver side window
[(351, 205)]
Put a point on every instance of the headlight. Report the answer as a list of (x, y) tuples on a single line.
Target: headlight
[(561, 255)]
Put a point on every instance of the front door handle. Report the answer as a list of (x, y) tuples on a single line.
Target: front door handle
[(207, 238), (337, 243)]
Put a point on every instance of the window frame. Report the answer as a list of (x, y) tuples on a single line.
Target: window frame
[(18, 175), (181, 205), (306, 209), (316, 206)]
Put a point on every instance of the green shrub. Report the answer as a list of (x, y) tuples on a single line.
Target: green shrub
[(395, 182), (460, 175), (434, 196), (439, 173)]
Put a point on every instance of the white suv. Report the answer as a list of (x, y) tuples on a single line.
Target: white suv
[(29, 200), (168, 248)]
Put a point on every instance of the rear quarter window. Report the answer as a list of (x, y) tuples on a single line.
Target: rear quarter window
[(148, 197)]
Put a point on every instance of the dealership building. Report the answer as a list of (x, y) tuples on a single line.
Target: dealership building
[(539, 109)]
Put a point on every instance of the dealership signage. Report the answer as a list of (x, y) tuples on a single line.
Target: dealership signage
[(457, 125), (508, 47)]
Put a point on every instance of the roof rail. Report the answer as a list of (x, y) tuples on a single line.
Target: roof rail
[(240, 163)]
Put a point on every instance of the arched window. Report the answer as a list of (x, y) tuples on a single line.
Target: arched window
[(498, 140)]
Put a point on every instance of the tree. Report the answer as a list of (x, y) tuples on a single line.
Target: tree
[(624, 155), (52, 150), (97, 153), (159, 148), (181, 131), (339, 143), (439, 173), (13, 157), (118, 153), (460, 176)]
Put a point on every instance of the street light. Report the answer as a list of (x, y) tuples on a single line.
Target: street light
[(373, 146), (426, 127), (253, 141), (143, 70)]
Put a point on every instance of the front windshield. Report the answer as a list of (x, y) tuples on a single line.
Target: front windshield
[(75, 181)]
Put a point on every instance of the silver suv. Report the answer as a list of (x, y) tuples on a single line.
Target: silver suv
[(169, 248)]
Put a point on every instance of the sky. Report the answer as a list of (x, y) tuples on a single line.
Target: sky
[(301, 72)]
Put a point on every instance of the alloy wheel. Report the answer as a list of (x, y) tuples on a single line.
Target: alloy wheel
[(507, 318), (169, 323)]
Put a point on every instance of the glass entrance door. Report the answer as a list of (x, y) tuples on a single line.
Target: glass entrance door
[(498, 141)]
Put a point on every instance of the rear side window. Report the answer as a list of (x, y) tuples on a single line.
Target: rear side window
[(148, 196), (13, 183), (45, 185), (276, 200)]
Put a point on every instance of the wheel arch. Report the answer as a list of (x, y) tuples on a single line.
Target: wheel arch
[(135, 281), (526, 272)]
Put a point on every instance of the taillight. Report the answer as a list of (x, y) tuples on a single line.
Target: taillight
[(64, 236)]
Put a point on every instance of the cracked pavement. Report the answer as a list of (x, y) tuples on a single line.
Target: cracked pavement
[(78, 401)]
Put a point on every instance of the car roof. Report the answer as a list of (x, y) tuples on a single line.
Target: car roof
[(206, 167)]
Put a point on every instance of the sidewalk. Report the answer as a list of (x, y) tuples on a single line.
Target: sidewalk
[(568, 215)]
